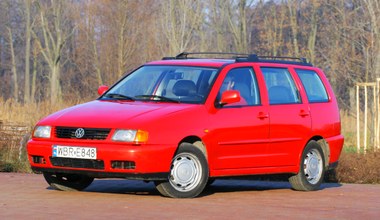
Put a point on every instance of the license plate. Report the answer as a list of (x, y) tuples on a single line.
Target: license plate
[(74, 152)]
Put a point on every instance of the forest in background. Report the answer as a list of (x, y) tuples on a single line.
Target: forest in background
[(52, 50)]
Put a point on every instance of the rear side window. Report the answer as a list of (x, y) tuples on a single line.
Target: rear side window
[(281, 86), (313, 85)]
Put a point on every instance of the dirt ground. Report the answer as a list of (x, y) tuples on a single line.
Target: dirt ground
[(27, 196)]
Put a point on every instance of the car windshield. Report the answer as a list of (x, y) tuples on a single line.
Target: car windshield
[(165, 84)]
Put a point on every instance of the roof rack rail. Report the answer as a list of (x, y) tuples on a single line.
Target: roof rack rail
[(275, 59), (255, 57), (185, 55), (242, 57)]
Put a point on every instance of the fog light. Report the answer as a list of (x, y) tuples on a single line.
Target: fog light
[(123, 165), (38, 159)]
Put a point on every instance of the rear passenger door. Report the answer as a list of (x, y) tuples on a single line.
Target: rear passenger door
[(289, 117)]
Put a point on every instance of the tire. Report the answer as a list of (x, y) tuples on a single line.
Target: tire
[(67, 182), (312, 169), (188, 173)]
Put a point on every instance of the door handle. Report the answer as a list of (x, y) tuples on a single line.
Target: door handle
[(263, 115), (304, 113)]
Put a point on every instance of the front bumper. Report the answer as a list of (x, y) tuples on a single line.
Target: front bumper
[(150, 162)]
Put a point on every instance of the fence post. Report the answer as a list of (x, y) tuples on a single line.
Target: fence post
[(377, 113), (365, 117), (357, 119)]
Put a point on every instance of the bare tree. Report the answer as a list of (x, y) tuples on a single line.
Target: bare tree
[(273, 29), (28, 31), (54, 35), (13, 65), (373, 8), (292, 6), (180, 20), (313, 30), (218, 26), (34, 72), (237, 20), (11, 28)]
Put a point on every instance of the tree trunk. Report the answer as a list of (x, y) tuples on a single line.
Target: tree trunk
[(27, 52), (55, 87), (292, 5), (373, 8), (312, 39), (96, 60), (14, 69), (34, 75)]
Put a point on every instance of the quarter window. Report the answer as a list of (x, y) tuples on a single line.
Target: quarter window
[(313, 85), (280, 85)]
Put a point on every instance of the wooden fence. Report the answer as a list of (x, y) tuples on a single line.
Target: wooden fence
[(368, 117), (13, 136)]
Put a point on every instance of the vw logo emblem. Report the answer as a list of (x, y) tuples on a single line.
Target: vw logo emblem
[(79, 133)]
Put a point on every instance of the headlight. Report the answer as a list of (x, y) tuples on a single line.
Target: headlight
[(42, 132), (137, 136)]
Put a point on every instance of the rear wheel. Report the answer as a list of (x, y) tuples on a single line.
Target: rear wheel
[(188, 173), (67, 182), (312, 169)]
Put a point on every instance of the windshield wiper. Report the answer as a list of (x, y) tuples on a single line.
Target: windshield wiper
[(118, 96), (157, 97)]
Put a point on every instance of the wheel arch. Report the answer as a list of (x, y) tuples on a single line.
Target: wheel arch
[(197, 142), (325, 148)]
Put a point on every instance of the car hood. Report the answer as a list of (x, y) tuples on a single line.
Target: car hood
[(113, 114)]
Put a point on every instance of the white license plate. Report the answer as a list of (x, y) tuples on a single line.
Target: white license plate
[(74, 152)]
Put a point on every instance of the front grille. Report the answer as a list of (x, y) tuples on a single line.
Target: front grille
[(77, 163), (89, 133)]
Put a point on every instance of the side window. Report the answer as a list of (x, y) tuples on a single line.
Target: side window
[(280, 85), (244, 81), (313, 85)]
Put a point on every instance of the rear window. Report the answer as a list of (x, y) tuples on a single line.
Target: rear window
[(313, 85)]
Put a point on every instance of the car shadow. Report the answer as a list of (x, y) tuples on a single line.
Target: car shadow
[(239, 185), (136, 187)]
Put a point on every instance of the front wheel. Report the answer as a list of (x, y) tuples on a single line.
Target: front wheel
[(188, 173), (67, 182), (312, 169)]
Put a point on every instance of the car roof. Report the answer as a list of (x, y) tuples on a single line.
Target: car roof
[(187, 59)]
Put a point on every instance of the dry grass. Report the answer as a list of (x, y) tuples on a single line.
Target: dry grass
[(348, 129), (29, 114), (358, 168), (353, 167), (13, 144)]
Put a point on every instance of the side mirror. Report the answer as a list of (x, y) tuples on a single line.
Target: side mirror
[(102, 89), (229, 97)]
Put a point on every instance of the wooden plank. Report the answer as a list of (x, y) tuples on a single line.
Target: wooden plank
[(366, 84)]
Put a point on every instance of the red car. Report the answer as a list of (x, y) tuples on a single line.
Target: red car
[(183, 121)]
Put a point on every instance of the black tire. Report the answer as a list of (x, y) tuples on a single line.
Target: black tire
[(312, 169), (67, 182), (188, 173)]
